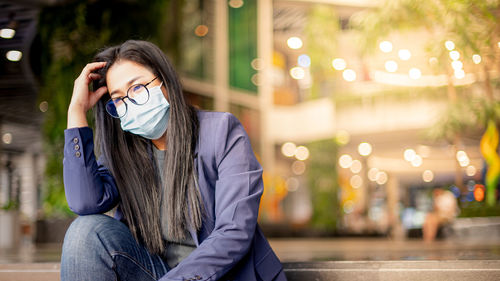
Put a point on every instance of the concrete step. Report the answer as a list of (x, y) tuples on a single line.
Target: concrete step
[(477, 270), (30, 272)]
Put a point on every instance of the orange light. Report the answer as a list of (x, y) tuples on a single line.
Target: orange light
[(201, 30), (479, 192)]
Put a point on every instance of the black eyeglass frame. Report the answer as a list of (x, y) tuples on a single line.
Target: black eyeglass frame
[(112, 101)]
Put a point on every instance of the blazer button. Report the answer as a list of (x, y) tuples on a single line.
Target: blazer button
[(78, 154), (77, 147), (75, 140)]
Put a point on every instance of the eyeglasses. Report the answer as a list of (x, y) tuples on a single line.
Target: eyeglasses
[(138, 94)]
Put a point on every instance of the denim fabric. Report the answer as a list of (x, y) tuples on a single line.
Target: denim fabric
[(98, 247)]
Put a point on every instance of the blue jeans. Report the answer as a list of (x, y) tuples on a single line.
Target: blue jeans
[(98, 247)]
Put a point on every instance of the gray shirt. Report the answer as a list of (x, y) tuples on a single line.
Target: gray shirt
[(176, 251)]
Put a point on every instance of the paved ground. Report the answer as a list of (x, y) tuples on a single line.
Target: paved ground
[(323, 249), (351, 259), (380, 249)]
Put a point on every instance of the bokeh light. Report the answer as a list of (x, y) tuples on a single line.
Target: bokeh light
[(297, 73), (382, 177), (404, 54), (236, 3), (372, 174), (415, 73), (470, 171), (385, 46), (7, 138), (364, 149), (433, 61), (349, 75), (302, 153), (342, 137), (288, 149), (7, 33), (345, 161), (459, 73), (339, 64), (256, 79), (479, 192), (304, 60), (427, 175), (391, 66), (201, 30), (356, 181), (462, 158), (257, 64), (409, 154), (456, 65), (348, 206), (476, 58), (454, 55), (14, 55), (417, 161), (44, 106), (298, 167), (294, 43), (449, 45), (356, 166)]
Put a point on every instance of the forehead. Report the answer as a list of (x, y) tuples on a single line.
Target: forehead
[(123, 71)]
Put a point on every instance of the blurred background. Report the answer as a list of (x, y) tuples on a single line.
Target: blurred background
[(371, 118)]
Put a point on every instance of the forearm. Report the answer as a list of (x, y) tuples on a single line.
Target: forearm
[(89, 187), (77, 116)]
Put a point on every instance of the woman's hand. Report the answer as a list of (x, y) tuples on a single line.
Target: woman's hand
[(82, 99)]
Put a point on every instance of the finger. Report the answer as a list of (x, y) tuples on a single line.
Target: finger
[(95, 96), (90, 67), (101, 91), (94, 76)]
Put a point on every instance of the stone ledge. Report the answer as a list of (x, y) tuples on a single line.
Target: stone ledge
[(459, 270)]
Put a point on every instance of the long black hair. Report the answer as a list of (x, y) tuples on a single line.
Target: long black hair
[(130, 158)]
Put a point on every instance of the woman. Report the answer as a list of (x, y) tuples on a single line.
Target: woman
[(186, 182)]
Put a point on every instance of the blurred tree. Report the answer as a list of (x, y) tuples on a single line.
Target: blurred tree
[(474, 28), (321, 36), (322, 181), (71, 33)]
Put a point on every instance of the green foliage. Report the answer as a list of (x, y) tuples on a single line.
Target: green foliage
[(10, 205), (322, 180), (479, 209), (321, 36), (465, 117), (71, 34), (471, 24)]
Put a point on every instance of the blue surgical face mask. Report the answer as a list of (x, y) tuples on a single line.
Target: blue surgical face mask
[(149, 120)]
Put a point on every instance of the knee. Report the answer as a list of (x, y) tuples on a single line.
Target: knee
[(83, 233)]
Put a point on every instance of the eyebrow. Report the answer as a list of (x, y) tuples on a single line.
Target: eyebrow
[(129, 83)]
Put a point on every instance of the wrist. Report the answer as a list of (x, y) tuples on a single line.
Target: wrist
[(77, 116)]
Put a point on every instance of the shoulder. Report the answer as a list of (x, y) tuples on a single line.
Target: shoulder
[(214, 117), (219, 131), (217, 123)]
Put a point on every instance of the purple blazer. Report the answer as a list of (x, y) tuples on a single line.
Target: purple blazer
[(230, 244)]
